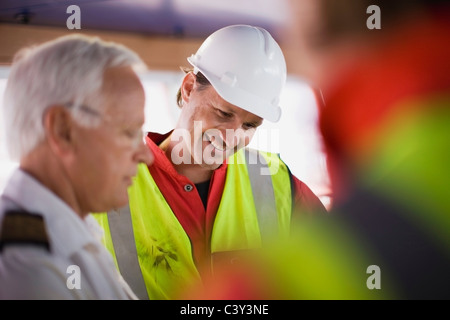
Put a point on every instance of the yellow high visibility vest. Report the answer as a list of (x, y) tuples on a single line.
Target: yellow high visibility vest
[(151, 248)]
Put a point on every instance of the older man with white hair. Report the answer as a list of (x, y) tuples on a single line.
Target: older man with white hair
[(73, 110)]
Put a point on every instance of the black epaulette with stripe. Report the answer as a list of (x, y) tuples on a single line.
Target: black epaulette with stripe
[(22, 227)]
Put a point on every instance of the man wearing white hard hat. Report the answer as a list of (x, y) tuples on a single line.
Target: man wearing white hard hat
[(208, 199)]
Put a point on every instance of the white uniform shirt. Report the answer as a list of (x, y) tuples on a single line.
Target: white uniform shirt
[(32, 272)]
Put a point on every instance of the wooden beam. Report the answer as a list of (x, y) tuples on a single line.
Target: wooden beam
[(159, 53)]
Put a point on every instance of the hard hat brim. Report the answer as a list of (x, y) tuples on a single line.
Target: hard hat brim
[(242, 99)]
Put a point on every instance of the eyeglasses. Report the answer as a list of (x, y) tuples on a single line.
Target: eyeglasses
[(135, 136)]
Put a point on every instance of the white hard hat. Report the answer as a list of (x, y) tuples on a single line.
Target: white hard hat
[(246, 67)]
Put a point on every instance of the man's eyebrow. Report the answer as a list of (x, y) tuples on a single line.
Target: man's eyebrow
[(256, 123), (222, 108)]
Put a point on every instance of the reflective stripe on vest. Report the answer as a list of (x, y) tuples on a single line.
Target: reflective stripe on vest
[(125, 250), (251, 200), (263, 193)]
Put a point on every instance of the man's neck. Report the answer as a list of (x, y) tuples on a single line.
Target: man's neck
[(194, 172)]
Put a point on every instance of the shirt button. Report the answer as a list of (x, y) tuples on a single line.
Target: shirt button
[(188, 188)]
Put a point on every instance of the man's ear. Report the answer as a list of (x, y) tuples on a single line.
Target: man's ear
[(187, 86), (58, 126)]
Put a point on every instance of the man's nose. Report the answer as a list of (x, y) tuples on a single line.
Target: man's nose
[(144, 154)]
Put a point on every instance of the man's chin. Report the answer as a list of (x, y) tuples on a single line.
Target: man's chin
[(121, 200)]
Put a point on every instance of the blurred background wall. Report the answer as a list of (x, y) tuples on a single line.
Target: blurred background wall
[(164, 33)]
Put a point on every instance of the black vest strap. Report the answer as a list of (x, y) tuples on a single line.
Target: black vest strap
[(21, 227)]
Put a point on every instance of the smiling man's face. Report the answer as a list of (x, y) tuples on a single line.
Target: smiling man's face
[(215, 128)]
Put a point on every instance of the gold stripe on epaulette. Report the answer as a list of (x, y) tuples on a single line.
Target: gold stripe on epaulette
[(21, 227)]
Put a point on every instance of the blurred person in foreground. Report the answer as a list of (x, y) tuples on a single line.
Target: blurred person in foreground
[(214, 199), (385, 121), (73, 110), (386, 127)]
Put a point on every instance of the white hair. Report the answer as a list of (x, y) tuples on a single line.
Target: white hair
[(67, 70)]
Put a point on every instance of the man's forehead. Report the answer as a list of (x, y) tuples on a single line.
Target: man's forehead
[(221, 102)]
